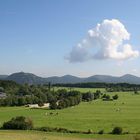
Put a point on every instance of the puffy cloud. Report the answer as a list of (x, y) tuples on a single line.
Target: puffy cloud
[(105, 41)]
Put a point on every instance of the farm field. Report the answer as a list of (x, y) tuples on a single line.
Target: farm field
[(95, 115), (35, 135)]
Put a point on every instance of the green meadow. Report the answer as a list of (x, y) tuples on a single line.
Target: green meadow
[(96, 115), (36, 135)]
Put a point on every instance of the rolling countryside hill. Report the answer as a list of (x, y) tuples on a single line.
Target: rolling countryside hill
[(30, 78)]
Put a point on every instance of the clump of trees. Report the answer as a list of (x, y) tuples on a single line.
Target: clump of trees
[(117, 130), (107, 97), (18, 123), (110, 87), (88, 96), (18, 95), (65, 99), (101, 132), (115, 97)]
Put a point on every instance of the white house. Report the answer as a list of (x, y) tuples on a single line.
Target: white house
[(46, 105), (33, 105)]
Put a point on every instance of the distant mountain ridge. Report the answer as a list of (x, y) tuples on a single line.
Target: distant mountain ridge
[(30, 78), (23, 78), (3, 76)]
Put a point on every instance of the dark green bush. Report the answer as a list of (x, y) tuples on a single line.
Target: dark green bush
[(18, 123), (101, 132), (115, 97), (117, 130)]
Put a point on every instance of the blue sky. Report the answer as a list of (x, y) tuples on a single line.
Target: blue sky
[(36, 35)]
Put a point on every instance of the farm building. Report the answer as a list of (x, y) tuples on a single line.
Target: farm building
[(33, 105), (46, 105)]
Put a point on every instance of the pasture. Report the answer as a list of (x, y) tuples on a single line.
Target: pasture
[(95, 115), (35, 135)]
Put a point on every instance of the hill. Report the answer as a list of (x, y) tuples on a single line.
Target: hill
[(30, 78), (3, 77), (23, 78), (64, 79)]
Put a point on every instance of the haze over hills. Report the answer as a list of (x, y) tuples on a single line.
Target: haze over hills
[(3, 76), (30, 78)]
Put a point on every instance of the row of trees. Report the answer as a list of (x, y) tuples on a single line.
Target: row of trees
[(22, 100), (89, 96), (110, 87)]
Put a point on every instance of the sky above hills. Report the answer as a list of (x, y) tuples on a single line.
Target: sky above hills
[(78, 37)]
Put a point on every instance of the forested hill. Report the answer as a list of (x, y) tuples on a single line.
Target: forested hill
[(30, 78)]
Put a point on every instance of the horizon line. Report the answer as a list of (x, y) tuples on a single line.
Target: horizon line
[(69, 75)]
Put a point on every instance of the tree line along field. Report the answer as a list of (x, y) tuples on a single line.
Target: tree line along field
[(80, 89), (95, 115)]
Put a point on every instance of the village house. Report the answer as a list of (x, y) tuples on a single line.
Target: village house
[(32, 105), (46, 105)]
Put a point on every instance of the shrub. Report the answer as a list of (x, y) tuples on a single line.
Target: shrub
[(115, 97), (19, 122), (53, 105), (117, 130), (88, 96), (101, 132), (106, 98)]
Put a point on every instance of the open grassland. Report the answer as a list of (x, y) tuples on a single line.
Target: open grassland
[(34, 135), (95, 115)]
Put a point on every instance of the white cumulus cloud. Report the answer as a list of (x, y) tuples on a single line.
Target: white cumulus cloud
[(105, 41)]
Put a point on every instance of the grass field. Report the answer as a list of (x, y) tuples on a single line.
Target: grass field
[(95, 115), (34, 135)]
